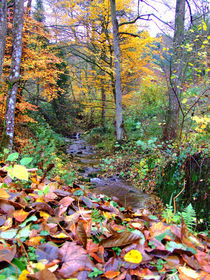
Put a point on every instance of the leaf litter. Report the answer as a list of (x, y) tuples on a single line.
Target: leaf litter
[(68, 233)]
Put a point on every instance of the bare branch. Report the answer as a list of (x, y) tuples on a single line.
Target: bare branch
[(146, 17), (137, 18), (130, 34), (199, 97), (190, 11)]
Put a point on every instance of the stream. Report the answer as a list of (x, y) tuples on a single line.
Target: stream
[(88, 160)]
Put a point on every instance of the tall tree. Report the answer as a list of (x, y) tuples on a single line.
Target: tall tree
[(14, 70), (3, 31), (118, 89), (176, 73)]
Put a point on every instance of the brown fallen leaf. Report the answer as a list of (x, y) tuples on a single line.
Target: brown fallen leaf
[(120, 239), (74, 259), (46, 274), (7, 254), (41, 206), (172, 261), (82, 233)]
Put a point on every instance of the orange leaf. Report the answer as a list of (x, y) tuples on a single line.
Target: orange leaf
[(34, 241), (111, 274), (20, 215)]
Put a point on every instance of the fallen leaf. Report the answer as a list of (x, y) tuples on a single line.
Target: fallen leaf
[(41, 206), (111, 274), (172, 261), (23, 275), (82, 233), (20, 215), (7, 253), (46, 274), (20, 172), (44, 215), (188, 273), (74, 259), (8, 224), (134, 256), (34, 241), (141, 272), (120, 239), (4, 194)]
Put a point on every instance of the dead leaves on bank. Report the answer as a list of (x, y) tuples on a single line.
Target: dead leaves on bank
[(64, 232)]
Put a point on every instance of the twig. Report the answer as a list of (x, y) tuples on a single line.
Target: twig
[(24, 249), (64, 230), (174, 199)]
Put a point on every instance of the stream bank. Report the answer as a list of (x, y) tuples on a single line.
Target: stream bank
[(88, 161)]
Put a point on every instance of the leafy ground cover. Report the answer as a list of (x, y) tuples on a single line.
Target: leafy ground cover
[(49, 230)]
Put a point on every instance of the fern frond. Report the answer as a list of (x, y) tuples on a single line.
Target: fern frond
[(189, 216)]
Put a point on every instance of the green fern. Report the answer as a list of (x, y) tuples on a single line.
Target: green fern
[(189, 216)]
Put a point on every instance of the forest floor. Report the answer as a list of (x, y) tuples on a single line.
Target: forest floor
[(57, 231)]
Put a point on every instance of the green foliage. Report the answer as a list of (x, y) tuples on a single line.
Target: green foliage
[(96, 272), (159, 264), (189, 217), (188, 214), (169, 216), (117, 250)]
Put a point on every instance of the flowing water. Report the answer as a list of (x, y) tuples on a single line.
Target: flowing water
[(88, 160)]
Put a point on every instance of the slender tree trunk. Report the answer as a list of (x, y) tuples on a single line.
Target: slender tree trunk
[(176, 73), (118, 90), (15, 69), (3, 32), (103, 110)]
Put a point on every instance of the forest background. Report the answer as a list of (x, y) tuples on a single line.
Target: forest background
[(92, 67)]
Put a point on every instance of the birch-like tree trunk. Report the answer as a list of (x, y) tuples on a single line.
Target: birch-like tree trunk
[(176, 73), (15, 70), (3, 32), (118, 90)]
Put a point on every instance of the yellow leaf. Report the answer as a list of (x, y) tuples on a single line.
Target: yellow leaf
[(108, 215), (134, 256), (44, 215), (60, 235), (23, 275), (20, 172), (4, 194), (40, 199), (184, 100), (204, 26), (40, 266)]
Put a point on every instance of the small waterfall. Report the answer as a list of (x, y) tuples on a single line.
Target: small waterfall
[(77, 135)]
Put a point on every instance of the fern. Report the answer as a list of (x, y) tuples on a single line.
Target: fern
[(189, 216)]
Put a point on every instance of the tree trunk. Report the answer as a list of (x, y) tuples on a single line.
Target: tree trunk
[(15, 69), (176, 73), (118, 90), (3, 32), (103, 109)]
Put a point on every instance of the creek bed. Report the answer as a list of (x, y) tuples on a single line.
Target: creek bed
[(88, 160)]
